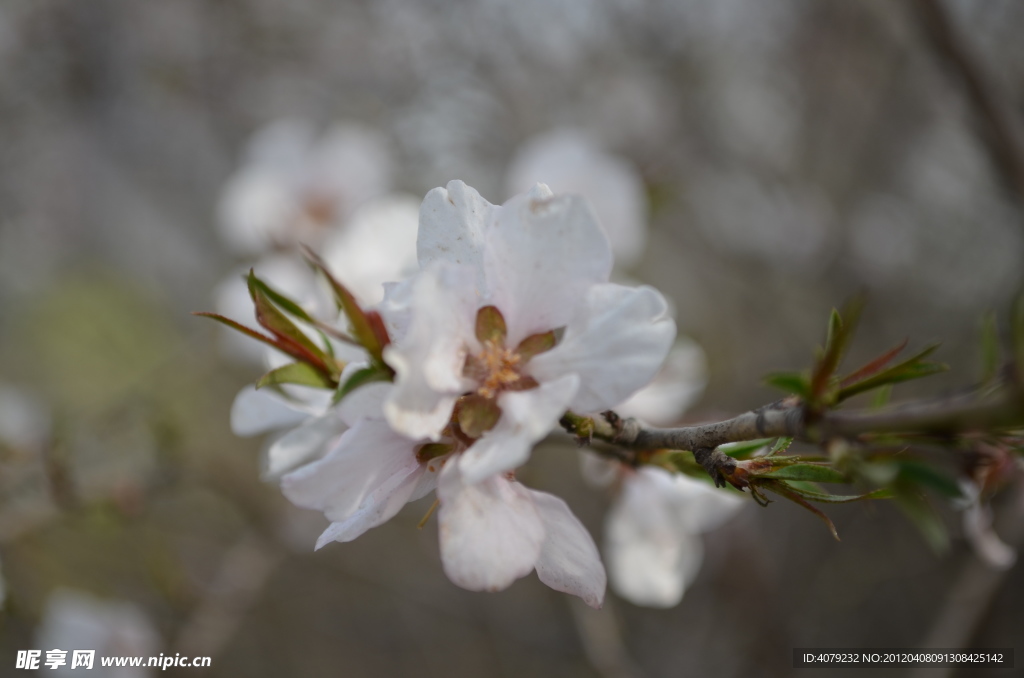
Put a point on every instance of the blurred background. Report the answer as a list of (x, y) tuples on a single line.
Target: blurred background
[(787, 154)]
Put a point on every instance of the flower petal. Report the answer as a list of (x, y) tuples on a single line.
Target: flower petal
[(674, 389), (378, 245), (378, 508), (569, 561), (452, 225), (541, 255), (369, 462), (616, 344), (428, 360), (650, 558), (303, 443), (526, 417), (491, 533), (255, 412)]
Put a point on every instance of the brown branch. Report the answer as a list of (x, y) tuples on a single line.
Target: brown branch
[(964, 413), (997, 126)]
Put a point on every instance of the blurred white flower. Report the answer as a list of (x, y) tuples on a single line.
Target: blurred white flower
[(652, 534), (675, 388), (294, 185), (538, 263), (569, 162), (24, 420), (377, 245), (78, 621), (977, 523)]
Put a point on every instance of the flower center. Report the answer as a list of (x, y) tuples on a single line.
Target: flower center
[(497, 368)]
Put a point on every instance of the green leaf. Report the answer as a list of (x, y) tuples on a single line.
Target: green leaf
[(247, 331), (989, 347), (840, 331), (882, 397), (873, 367), (922, 474), (808, 472), (490, 326), (790, 382), (781, 445), (924, 518), (271, 318), (744, 450), (788, 492), (829, 498), (362, 377), (911, 368), (302, 374), (367, 327)]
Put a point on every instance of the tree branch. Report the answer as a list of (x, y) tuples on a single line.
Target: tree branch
[(964, 413)]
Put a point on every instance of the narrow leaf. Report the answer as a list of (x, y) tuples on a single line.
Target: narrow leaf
[(744, 450), (911, 368), (271, 318), (873, 367), (989, 347), (364, 329), (302, 374), (924, 475), (829, 498), (784, 490), (808, 472), (781, 445), (361, 377), (790, 382)]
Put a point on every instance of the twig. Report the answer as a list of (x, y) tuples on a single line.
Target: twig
[(789, 418)]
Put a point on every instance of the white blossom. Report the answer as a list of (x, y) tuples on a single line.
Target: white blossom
[(78, 621), (294, 186), (653, 546), (542, 263), (977, 524)]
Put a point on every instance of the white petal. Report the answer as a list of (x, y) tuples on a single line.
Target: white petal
[(598, 471), (255, 412), (650, 558), (255, 209), (378, 508), (378, 245), (366, 401), (540, 257), (526, 417), (570, 162), (616, 344), (350, 164), (452, 225), (674, 389), (977, 522), (368, 463), (302, 444), (569, 561), (697, 504), (428, 360), (490, 531)]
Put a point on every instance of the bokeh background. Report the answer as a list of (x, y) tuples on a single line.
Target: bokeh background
[(792, 152)]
